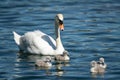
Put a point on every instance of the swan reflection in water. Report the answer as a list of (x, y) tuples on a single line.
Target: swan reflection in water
[(56, 65)]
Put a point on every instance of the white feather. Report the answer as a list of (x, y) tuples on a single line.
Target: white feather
[(16, 38)]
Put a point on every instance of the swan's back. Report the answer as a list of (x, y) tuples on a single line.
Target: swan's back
[(37, 42)]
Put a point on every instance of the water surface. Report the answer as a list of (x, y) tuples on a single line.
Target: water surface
[(92, 29)]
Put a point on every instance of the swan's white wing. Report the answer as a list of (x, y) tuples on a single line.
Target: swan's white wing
[(38, 43)]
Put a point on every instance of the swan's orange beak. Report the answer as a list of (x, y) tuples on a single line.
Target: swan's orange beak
[(61, 26)]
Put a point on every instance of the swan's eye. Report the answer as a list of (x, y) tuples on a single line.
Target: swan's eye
[(60, 22)]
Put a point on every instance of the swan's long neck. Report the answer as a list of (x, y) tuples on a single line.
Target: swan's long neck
[(58, 39), (59, 45)]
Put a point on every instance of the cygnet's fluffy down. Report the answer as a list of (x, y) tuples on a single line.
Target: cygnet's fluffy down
[(98, 66), (43, 63), (63, 57)]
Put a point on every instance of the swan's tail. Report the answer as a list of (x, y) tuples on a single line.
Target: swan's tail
[(16, 38)]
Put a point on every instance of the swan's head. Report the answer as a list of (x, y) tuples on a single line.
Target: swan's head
[(59, 21)]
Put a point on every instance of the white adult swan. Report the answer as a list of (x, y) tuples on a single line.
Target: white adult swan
[(37, 42)]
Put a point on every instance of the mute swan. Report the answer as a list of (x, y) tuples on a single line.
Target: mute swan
[(63, 57), (98, 67), (37, 42), (44, 63)]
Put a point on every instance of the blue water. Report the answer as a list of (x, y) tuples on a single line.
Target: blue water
[(92, 30)]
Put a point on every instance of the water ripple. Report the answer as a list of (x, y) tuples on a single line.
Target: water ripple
[(91, 31)]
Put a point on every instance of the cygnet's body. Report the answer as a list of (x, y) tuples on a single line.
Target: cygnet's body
[(63, 57), (98, 67), (43, 63)]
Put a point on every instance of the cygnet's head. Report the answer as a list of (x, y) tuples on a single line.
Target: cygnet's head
[(102, 59), (65, 53), (93, 63), (48, 59)]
